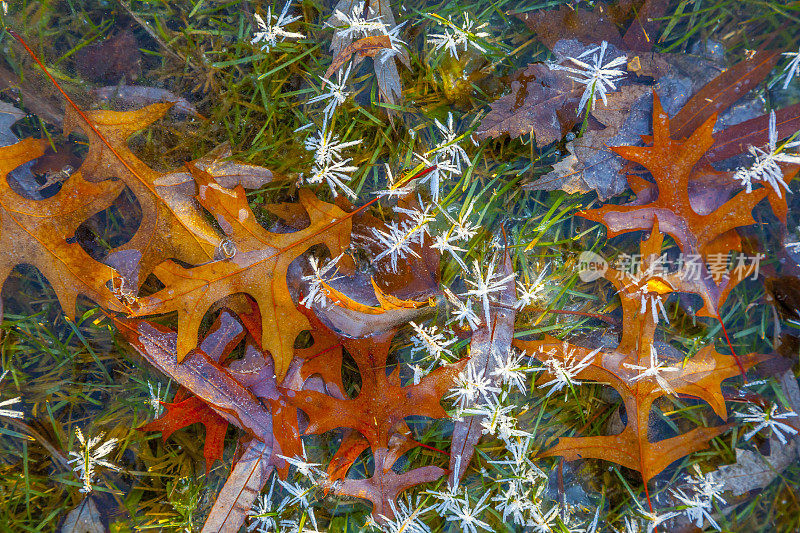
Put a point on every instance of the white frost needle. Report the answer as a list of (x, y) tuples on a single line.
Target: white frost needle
[(511, 371), (484, 286), (472, 385), (92, 454), (354, 25), (263, 512), (454, 36), (653, 371), (337, 92), (406, 517), (431, 341), (792, 69), (269, 33), (766, 166), (530, 292), (590, 70), (319, 277), (564, 370), (768, 418), (449, 147), (462, 311)]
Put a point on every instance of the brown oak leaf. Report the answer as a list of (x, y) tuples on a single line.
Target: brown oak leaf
[(673, 165), (634, 369), (37, 232), (257, 265), (382, 403), (173, 225)]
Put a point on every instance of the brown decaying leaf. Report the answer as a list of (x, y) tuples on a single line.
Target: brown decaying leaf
[(36, 232), (187, 409), (736, 139), (257, 267), (589, 27), (541, 101), (700, 377), (386, 71), (110, 60), (673, 164), (640, 34), (592, 147), (224, 391), (365, 47), (245, 482), (489, 342)]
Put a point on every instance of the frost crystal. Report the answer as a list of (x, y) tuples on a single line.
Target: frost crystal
[(91, 455), (530, 292), (454, 36), (766, 168), (471, 384), (353, 25), (653, 371), (431, 341), (319, 276), (337, 93), (698, 505), (598, 78), (764, 418), (792, 69), (564, 372), (328, 163), (263, 513), (483, 286), (156, 398), (406, 517), (269, 33)]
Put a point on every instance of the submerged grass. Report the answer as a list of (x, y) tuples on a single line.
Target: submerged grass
[(75, 374)]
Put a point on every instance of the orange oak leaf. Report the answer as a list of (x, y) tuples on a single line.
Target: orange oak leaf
[(256, 265), (173, 226), (674, 164), (36, 232), (386, 302), (382, 404), (365, 47), (634, 369)]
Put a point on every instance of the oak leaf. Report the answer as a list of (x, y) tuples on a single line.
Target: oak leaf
[(173, 226), (37, 232), (634, 370), (673, 165), (257, 265), (385, 485), (382, 403), (185, 410)]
